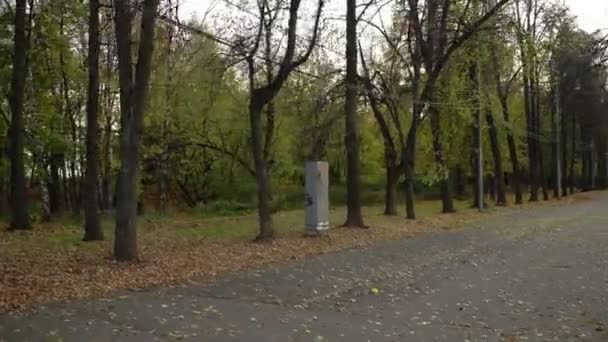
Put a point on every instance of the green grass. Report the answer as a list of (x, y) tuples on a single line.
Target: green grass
[(285, 222), (195, 225), (226, 221)]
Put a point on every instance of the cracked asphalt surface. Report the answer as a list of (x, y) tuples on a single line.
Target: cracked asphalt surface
[(531, 275)]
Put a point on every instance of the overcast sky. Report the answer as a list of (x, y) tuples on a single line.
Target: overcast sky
[(591, 14)]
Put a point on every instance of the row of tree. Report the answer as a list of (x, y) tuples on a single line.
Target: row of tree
[(119, 104)]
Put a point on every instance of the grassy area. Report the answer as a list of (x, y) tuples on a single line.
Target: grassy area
[(193, 225)]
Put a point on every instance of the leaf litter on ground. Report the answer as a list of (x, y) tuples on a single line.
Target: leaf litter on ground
[(50, 263)]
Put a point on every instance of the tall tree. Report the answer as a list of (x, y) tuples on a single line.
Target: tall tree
[(501, 197), (260, 96), (133, 97), (437, 38), (476, 151), (503, 90), (384, 103), (527, 15), (92, 227), (19, 200), (354, 217)]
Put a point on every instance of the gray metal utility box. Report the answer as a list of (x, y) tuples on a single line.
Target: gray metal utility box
[(317, 196)]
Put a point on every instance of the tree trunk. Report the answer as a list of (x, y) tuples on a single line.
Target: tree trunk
[(585, 171), (354, 216), (499, 176), (555, 145), (19, 200), (532, 157), (133, 96), (3, 199), (564, 151), (517, 176), (44, 199), (106, 181), (393, 169), (601, 166), (491, 188), (108, 110), (106, 194), (446, 194), (572, 154), (593, 167), (542, 175), (92, 227), (409, 164), (54, 183), (529, 112), (261, 171), (74, 193), (64, 183), (476, 153), (392, 178), (475, 167), (409, 155), (460, 183), (476, 195)]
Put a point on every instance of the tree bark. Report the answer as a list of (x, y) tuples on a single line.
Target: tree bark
[(475, 132), (515, 163), (501, 197), (477, 194), (354, 216), (64, 182), (542, 175), (593, 167), (133, 97), (504, 104), (572, 154), (532, 156), (3, 198), (528, 85), (446, 194), (261, 170), (555, 163), (106, 181), (460, 183), (392, 178), (409, 164), (601, 166), (92, 227), (564, 151), (108, 110), (391, 159), (19, 200)]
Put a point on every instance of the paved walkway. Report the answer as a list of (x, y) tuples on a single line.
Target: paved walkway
[(537, 275)]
